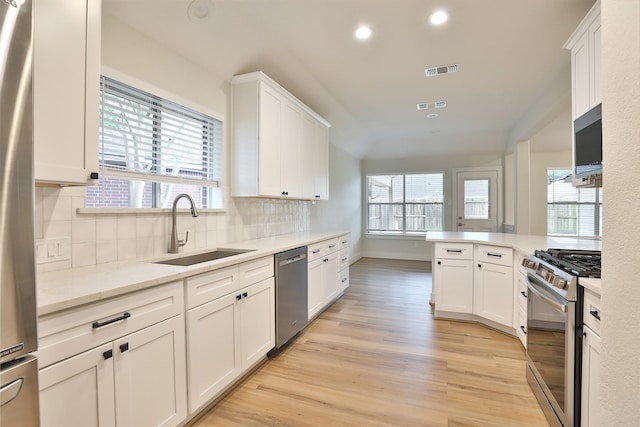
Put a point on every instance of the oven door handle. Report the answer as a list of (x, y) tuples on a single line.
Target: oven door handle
[(555, 304)]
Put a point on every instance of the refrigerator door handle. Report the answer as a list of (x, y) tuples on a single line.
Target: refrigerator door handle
[(10, 391)]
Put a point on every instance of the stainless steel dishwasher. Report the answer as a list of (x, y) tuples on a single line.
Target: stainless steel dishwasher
[(291, 294)]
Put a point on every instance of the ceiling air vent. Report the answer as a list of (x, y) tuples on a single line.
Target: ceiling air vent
[(427, 105), (445, 69)]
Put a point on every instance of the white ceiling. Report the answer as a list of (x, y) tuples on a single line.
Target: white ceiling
[(510, 52)]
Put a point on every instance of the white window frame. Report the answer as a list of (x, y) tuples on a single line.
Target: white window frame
[(171, 97), (404, 233)]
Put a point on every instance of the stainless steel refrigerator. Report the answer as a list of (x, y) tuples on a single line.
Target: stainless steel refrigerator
[(18, 315)]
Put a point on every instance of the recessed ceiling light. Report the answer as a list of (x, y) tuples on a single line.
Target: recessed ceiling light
[(363, 32), (439, 17), (432, 116)]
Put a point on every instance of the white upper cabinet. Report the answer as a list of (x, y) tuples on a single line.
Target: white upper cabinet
[(279, 147), (66, 90), (586, 63)]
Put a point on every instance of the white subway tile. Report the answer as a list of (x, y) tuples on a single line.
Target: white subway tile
[(83, 254), (106, 252), (106, 229), (127, 249), (126, 228), (83, 231)]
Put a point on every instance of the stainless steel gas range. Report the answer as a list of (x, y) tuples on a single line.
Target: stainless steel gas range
[(554, 329)]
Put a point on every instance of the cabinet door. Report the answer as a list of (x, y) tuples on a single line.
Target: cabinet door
[(150, 376), (271, 105), (214, 359), (257, 314), (330, 276), (493, 293), (595, 36), (315, 295), (83, 383), (453, 284), (66, 73), (590, 378), (308, 157), (291, 150), (321, 159), (581, 80)]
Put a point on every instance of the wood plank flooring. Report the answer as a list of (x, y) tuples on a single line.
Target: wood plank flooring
[(377, 357)]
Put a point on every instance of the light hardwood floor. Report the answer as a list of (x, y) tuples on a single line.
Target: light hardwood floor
[(377, 357)]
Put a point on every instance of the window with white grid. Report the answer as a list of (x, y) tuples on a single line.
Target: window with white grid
[(152, 149), (405, 203)]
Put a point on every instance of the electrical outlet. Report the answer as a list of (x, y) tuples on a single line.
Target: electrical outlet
[(52, 250)]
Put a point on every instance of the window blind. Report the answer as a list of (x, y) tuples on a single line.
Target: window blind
[(405, 204), (145, 137), (570, 210)]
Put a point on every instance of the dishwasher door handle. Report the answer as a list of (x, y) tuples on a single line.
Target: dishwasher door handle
[(291, 260)]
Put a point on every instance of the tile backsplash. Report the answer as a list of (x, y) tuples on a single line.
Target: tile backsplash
[(104, 238)]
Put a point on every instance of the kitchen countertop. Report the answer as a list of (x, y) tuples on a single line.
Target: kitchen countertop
[(525, 244), (61, 290)]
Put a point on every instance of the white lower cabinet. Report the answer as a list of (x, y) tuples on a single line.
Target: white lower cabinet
[(474, 282), (453, 283), (591, 351), (227, 336), (322, 282), (493, 293), (137, 380), (150, 376), (88, 379)]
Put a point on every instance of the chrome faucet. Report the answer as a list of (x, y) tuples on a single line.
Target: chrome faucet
[(176, 244)]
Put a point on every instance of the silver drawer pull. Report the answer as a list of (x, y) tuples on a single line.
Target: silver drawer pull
[(595, 313), (344, 280), (124, 316), (455, 251), (494, 255), (332, 246), (344, 259), (316, 251)]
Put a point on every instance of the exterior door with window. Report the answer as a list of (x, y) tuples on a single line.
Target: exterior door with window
[(477, 199)]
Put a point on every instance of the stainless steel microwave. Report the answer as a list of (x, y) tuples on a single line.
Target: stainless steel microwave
[(587, 148)]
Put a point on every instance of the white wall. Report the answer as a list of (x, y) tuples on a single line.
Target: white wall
[(402, 248), (343, 211), (620, 370)]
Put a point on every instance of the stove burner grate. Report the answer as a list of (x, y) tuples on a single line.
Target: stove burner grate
[(580, 263)]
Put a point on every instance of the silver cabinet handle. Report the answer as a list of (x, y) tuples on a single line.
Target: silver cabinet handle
[(494, 255)]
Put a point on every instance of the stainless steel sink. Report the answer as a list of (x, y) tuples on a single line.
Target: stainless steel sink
[(204, 257)]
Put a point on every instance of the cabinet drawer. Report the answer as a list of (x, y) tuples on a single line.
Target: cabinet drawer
[(256, 271), (495, 255), (521, 326), (523, 292), (320, 249), (344, 241), (454, 250), (343, 261), (209, 286), (343, 280), (592, 311), (73, 331)]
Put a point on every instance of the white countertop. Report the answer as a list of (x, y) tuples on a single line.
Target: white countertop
[(525, 244), (61, 290)]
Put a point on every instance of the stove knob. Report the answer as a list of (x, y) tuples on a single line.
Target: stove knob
[(562, 284)]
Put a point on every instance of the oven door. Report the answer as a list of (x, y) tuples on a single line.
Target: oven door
[(550, 342)]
